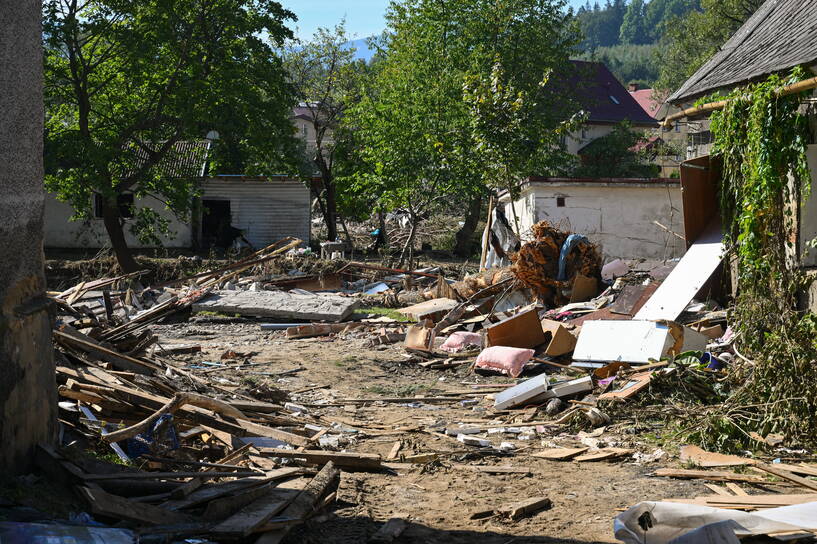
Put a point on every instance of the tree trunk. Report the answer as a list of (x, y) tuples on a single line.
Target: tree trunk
[(349, 240), (383, 237), (465, 235), (408, 247), (331, 209), (116, 233)]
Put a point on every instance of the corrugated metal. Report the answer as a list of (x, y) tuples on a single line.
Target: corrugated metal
[(266, 210)]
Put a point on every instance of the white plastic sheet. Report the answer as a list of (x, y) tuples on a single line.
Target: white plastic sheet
[(668, 522)]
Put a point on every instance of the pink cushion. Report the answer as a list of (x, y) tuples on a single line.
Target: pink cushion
[(505, 360), (459, 340)]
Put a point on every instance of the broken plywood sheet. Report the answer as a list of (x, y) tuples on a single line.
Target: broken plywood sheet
[(704, 458), (434, 309), (634, 341), (278, 304), (519, 331), (687, 278)]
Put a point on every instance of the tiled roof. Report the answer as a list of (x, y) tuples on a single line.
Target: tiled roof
[(646, 101), (780, 35), (601, 94)]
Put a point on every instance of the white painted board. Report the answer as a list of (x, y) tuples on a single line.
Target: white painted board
[(630, 341), (687, 278)]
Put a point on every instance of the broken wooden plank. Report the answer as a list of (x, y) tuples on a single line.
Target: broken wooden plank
[(702, 458), (365, 461), (559, 454), (170, 475), (93, 348), (719, 490), (603, 454), (277, 434), (114, 506), (395, 451), (303, 504), (526, 507), (711, 475), (256, 513), (786, 475), (736, 489)]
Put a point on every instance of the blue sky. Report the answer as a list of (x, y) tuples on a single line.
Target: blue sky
[(364, 18)]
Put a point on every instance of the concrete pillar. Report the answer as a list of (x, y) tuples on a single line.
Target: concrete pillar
[(28, 400)]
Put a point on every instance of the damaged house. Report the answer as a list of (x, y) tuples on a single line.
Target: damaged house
[(626, 217), (780, 36), (265, 209)]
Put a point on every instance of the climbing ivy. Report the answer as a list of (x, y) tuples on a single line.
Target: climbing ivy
[(761, 138)]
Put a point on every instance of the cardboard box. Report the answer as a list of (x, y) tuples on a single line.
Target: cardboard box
[(522, 330), (561, 340)]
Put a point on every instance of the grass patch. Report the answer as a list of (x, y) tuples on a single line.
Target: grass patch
[(391, 313), (347, 360)]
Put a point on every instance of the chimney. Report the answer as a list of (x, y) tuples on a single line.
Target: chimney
[(633, 87)]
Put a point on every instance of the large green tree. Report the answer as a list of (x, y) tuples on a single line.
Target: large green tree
[(416, 127), (326, 78), (691, 40), (127, 80)]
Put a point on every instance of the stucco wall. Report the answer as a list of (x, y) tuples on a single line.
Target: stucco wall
[(61, 232), (617, 216), (28, 395), (579, 139)]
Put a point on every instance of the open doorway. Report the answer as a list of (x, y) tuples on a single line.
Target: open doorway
[(216, 214)]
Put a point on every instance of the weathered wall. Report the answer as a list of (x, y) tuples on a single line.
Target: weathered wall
[(61, 232), (28, 398), (617, 216), (267, 210)]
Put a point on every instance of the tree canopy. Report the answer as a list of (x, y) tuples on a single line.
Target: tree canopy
[(414, 123), (692, 39), (127, 80)]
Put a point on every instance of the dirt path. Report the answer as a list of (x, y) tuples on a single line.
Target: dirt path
[(438, 497)]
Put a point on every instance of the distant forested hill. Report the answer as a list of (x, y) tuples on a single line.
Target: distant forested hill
[(625, 35)]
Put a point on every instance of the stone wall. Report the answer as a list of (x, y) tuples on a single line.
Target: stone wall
[(28, 398)]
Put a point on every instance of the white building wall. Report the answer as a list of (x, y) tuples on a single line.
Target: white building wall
[(581, 138), (266, 210), (61, 232), (617, 216)]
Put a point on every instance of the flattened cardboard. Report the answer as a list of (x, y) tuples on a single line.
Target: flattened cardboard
[(584, 288)]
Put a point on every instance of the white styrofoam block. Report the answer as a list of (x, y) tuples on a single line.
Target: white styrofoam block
[(521, 393)]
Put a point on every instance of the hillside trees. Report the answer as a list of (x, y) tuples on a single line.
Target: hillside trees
[(690, 41), (127, 80)]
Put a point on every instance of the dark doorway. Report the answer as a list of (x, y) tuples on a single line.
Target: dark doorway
[(216, 216)]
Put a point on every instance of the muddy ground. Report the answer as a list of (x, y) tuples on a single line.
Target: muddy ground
[(438, 497)]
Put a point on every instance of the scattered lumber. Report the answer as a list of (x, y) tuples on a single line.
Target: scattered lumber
[(359, 461), (786, 475), (303, 504), (713, 476)]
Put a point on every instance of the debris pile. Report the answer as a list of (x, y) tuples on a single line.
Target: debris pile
[(550, 368)]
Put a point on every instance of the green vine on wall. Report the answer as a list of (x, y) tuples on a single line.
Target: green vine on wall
[(761, 138)]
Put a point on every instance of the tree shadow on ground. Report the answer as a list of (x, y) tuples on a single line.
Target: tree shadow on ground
[(349, 530)]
